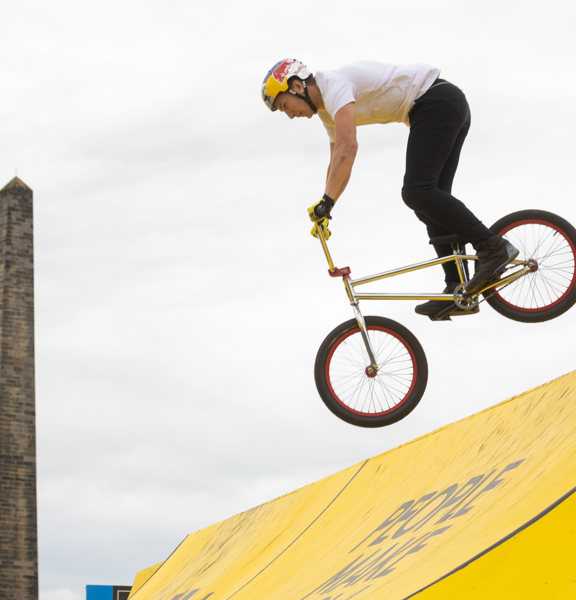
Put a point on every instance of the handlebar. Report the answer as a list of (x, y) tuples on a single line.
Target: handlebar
[(320, 234)]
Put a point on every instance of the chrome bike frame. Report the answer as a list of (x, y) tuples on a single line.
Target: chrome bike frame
[(459, 296)]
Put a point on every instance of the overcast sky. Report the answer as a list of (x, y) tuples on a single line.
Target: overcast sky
[(180, 299)]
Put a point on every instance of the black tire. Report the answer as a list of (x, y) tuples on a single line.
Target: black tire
[(550, 290), (371, 401)]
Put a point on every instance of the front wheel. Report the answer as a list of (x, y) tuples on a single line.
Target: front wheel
[(550, 289), (352, 391)]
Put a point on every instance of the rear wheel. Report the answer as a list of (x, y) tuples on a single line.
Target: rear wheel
[(549, 290), (356, 394)]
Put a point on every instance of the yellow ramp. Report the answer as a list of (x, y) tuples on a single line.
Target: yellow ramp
[(483, 508)]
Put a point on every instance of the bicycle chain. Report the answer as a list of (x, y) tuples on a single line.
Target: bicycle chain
[(468, 303)]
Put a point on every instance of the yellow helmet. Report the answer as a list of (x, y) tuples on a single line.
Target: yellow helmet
[(276, 80)]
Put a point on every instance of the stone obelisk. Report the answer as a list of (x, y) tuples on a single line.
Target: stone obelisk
[(18, 517)]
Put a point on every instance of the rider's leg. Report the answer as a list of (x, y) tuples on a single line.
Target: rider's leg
[(443, 171), (439, 122), (451, 274)]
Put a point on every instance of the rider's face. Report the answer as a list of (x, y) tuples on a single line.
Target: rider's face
[(293, 106)]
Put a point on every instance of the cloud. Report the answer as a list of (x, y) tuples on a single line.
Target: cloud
[(179, 298), (59, 594)]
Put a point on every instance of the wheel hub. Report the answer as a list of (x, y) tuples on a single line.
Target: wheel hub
[(371, 371)]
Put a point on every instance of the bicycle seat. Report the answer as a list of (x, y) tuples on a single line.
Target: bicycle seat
[(447, 239)]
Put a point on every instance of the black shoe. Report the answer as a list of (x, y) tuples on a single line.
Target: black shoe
[(440, 310), (493, 255)]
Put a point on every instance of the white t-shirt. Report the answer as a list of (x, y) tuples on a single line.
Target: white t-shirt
[(381, 92)]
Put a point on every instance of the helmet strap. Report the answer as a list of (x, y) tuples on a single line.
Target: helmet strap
[(305, 96)]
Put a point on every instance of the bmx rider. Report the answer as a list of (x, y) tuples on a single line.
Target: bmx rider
[(438, 115)]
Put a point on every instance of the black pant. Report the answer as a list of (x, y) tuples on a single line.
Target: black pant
[(439, 123)]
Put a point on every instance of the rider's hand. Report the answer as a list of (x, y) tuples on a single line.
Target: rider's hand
[(321, 210), (323, 225)]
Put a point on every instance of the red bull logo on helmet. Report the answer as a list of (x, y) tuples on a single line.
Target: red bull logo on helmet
[(281, 71)]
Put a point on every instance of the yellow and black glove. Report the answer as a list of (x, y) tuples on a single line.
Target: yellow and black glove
[(322, 224), (319, 213)]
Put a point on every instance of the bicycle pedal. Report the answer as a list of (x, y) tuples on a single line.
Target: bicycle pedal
[(447, 313), (437, 318), (443, 315)]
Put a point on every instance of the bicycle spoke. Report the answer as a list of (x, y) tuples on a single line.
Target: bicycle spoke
[(555, 274), (384, 391)]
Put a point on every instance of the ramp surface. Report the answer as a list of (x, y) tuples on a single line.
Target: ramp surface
[(482, 508)]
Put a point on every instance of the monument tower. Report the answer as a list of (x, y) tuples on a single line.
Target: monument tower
[(18, 520)]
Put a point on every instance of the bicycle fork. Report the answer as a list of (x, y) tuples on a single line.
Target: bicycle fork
[(372, 368)]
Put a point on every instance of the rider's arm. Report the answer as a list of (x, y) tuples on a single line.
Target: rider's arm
[(342, 151)]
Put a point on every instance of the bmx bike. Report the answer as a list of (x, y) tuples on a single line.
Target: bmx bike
[(372, 371)]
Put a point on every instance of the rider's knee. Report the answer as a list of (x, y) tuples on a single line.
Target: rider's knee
[(415, 195)]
